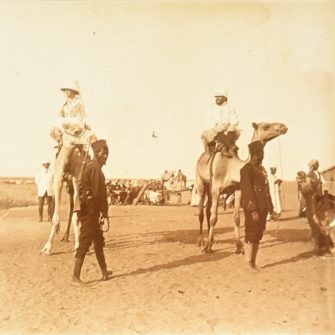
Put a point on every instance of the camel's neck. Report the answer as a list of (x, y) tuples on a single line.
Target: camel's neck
[(255, 137)]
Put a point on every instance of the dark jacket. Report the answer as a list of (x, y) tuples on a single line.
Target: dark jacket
[(93, 191), (316, 181), (255, 189)]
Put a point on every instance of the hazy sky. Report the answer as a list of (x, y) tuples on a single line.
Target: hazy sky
[(154, 66)]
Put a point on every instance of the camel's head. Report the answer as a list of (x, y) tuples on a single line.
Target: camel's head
[(268, 131)]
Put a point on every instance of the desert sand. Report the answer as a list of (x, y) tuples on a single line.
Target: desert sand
[(162, 283)]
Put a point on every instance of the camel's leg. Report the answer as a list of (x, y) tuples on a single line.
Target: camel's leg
[(236, 219), (76, 208), (75, 223), (201, 216), (208, 209), (214, 218), (70, 212), (58, 184)]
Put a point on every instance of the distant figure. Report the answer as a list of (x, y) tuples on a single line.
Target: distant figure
[(166, 176), (181, 180), (44, 182), (308, 188), (222, 131), (195, 197), (123, 195), (275, 192), (155, 197), (302, 202), (315, 175)]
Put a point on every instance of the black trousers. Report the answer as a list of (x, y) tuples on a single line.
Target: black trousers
[(50, 203), (90, 232), (310, 211)]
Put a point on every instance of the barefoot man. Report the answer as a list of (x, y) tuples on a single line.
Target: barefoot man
[(256, 202)]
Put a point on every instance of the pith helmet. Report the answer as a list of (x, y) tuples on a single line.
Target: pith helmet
[(45, 160), (221, 93), (71, 85)]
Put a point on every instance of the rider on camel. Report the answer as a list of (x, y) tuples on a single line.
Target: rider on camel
[(223, 131), (72, 126)]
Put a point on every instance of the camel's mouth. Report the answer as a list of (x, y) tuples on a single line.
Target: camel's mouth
[(281, 131), (284, 130), (270, 138)]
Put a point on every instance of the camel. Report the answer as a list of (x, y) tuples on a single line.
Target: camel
[(216, 174), (74, 149), (181, 180)]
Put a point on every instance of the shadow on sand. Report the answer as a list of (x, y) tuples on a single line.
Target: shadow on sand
[(177, 236), (290, 235), (290, 218), (294, 259), (214, 257)]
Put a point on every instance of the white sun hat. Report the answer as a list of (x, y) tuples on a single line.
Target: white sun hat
[(71, 85)]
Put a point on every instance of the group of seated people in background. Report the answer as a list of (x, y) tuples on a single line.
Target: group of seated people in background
[(149, 191)]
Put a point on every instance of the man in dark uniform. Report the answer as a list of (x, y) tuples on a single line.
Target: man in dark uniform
[(93, 208), (256, 201)]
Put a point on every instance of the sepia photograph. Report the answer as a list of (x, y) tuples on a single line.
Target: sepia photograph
[(167, 167)]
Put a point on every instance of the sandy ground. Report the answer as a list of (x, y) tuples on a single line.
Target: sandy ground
[(162, 283)]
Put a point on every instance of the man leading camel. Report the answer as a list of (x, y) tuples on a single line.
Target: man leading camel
[(93, 208), (256, 201), (223, 123)]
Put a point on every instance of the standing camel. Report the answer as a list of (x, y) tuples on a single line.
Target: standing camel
[(181, 179), (76, 153), (216, 173)]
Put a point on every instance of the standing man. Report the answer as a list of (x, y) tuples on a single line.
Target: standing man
[(275, 192), (44, 181), (223, 122), (93, 210), (311, 199), (256, 201), (315, 175)]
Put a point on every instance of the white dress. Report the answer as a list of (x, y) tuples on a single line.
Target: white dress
[(275, 193)]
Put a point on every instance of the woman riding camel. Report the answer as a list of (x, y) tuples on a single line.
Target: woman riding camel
[(72, 126), (72, 117)]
